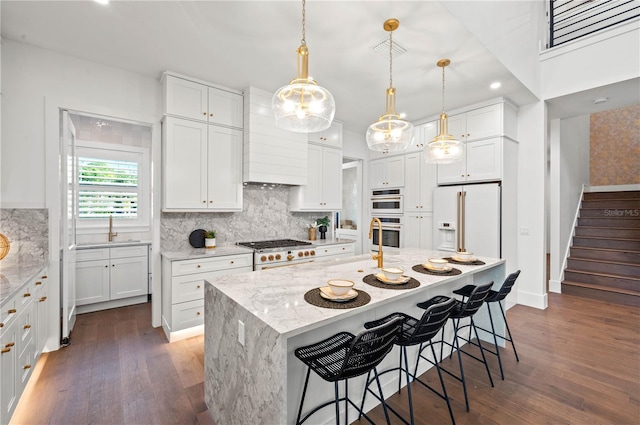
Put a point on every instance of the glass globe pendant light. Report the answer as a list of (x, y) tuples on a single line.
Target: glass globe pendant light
[(390, 133), (444, 149), (302, 105)]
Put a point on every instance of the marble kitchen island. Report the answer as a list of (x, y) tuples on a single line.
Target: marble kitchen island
[(254, 321)]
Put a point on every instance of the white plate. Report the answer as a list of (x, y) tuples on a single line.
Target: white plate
[(470, 260), (327, 294), (429, 267), (383, 278)]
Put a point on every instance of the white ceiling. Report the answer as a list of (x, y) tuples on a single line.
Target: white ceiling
[(242, 43)]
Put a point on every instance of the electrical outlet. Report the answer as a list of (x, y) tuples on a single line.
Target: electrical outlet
[(241, 332)]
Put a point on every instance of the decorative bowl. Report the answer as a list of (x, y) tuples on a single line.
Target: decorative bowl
[(340, 286), (438, 263)]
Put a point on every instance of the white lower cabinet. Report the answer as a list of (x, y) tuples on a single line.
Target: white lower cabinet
[(183, 290), (23, 333), (418, 230), (328, 252), (104, 275)]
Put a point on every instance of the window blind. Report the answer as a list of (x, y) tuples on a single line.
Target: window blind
[(107, 187)]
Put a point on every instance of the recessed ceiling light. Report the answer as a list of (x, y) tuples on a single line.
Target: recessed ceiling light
[(600, 100), (403, 115), (495, 85), (102, 2)]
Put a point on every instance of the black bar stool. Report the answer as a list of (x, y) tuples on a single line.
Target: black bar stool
[(417, 332), (495, 297), (460, 311), (345, 356)]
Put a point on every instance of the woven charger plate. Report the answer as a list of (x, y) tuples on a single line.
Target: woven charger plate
[(373, 281), (313, 297), (465, 263), (420, 269)]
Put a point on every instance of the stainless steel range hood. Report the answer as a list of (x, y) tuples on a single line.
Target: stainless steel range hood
[(271, 155)]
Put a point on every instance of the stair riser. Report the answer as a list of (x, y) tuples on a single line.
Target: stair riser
[(612, 282), (629, 270), (608, 233), (612, 204), (627, 223), (596, 254), (614, 214), (632, 194), (604, 243), (595, 294)]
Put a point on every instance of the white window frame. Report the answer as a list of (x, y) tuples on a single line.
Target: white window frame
[(111, 151)]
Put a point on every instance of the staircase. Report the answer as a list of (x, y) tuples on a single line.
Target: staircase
[(604, 261)]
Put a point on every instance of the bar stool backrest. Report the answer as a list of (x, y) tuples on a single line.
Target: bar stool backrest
[(475, 300), (506, 287), (431, 322), (369, 348)]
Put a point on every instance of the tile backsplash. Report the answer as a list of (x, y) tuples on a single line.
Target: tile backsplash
[(265, 215), (28, 232)]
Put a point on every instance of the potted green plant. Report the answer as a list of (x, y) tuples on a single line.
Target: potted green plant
[(210, 239), (322, 224)]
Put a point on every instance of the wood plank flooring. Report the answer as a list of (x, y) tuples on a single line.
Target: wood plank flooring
[(579, 364)]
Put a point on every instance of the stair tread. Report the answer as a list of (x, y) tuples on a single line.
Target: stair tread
[(608, 238), (619, 250), (602, 288), (596, 260), (615, 276)]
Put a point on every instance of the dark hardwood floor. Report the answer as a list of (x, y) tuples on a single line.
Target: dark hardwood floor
[(579, 364)]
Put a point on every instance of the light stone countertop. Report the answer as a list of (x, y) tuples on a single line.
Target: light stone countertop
[(276, 296), (196, 253), (13, 278), (330, 241), (114, 244)]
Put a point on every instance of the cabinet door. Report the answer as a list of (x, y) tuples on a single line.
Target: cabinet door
[(426, 230), (9, 370), (185, 164), (42, 320), (185, 98), (312, 192), (411, 231), (428, 181), (92, 282), (332, 136), (129, 277), (484, 122), (225, 108), (395, 171), (224, 170), (413, 182), (331, 179), (428, 132), (457, 125), (378, 173), (455, 172), (484, 160)]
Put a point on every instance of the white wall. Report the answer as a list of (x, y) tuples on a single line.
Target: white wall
[(569, 171), (36, 83)]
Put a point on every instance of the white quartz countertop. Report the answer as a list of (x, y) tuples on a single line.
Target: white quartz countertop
[(330, 241), (12, 278), (276, 296), (195, 253)]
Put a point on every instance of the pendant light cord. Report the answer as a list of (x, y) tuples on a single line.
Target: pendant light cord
[(304, 16)]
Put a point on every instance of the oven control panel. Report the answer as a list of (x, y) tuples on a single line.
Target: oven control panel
[(287, 255)]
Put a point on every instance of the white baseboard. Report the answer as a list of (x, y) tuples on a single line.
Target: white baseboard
[(555, 286), (529, 299), (90, 308), (615, 188)]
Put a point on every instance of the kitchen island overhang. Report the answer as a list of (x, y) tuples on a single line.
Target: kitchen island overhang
[(254, 322)]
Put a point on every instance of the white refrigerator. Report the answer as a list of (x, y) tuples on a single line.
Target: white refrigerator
[(467, 218)]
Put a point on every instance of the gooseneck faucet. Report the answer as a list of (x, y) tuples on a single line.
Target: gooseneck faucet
[(112, 234), (379, 255)]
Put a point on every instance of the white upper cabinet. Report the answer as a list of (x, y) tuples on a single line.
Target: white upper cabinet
[(477, 124), (323, 191), (419, 182), (424, 133), (197, 101), (332, 136), (482, 161), (387, 172), (224, 170)]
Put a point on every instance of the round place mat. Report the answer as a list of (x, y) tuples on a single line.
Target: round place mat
[(313, 297), (465, 263), (420, 269), (373, 281)]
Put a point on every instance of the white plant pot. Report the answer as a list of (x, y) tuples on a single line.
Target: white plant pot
[(209, 243)]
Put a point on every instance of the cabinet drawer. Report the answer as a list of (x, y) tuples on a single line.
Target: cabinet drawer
[(345, 249), (179, 268), (187, 315), (8, 314), (129, 251), (92, 254)]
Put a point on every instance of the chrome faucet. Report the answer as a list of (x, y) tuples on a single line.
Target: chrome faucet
[(379, 255), (112, 234)]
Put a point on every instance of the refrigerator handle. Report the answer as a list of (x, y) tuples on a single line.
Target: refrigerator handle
[(458, 223), (464, 219)]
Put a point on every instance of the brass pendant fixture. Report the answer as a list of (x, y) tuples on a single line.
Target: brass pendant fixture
[(444, 149), (302, 105), (390, 133)]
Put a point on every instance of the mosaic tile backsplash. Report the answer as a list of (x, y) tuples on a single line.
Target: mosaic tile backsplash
[(615, 147), (265, 215), (28, 232)]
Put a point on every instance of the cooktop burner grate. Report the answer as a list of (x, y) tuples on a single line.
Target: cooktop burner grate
[(276, 243)]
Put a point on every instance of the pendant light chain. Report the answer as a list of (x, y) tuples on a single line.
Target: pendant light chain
[(303, 41), (391, 59), (443, 88)]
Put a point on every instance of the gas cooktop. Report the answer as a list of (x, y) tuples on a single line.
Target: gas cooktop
[(274, 244)]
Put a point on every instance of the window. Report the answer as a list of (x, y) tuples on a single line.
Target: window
[(112, 181)]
